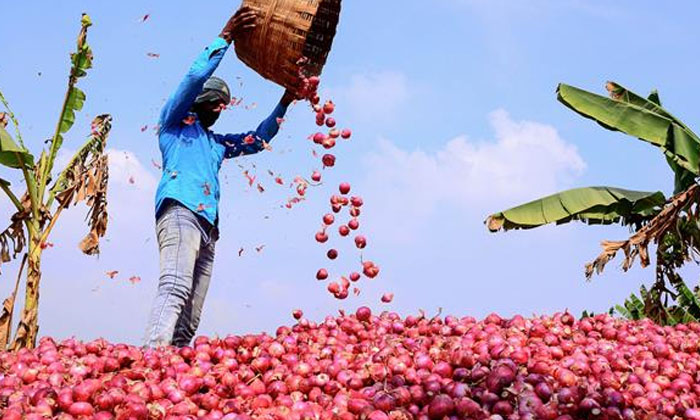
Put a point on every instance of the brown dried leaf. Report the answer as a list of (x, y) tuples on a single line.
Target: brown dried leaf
[(13, 239), (6, 320), (494, 224), (651, 233), (24, 335), (90, 245), (8, 307), (86, 180)]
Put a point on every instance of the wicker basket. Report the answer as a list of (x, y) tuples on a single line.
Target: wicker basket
[(286, 31)]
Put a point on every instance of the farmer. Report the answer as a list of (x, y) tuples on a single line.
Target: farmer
[(188, 194)]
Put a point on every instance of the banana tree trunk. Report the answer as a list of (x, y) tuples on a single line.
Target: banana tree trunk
[(28, 327)]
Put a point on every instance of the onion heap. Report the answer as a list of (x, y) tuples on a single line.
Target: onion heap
[(375, 367)]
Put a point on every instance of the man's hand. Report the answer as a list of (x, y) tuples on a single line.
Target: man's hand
[(239, 24), (289, 97)]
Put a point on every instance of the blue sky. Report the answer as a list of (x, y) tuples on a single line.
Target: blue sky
[(454, 115)]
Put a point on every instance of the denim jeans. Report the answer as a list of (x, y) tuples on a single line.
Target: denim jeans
[(186, 242)]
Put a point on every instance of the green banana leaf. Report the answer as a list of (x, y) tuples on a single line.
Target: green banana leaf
[(688, 304), (11, 154), (593, 205), (633, 307), (638, 117), (686, 309), (624, 312), (651, 103), (654, 97), (683, 178), (81, 61), (76, 100)]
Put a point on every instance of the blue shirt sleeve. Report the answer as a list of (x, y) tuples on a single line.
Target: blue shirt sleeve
[(180, 102), (253, 141)]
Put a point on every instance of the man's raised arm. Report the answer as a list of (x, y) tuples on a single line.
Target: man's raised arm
[(181, 100), (254, 141)]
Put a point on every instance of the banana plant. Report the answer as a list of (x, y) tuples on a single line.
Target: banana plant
[(38, 207), (686, 309), (671, 223)]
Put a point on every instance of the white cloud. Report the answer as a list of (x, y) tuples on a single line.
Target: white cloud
[(123, 165), (374, 96), (130, 205), (525, 160), (130, 197)]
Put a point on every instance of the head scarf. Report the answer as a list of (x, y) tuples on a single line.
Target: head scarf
[(215, 89)]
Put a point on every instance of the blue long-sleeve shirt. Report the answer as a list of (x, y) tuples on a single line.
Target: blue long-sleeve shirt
[(192, 155)]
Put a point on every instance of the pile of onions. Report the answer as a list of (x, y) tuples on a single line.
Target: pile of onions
[(368, 366)]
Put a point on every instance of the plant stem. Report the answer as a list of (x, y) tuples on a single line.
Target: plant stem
[(25, 336), (44, 171), (72, 81), (45, 234), (13, 197), (31, 188)]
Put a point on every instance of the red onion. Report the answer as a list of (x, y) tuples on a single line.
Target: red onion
[(80, 409), (363, 313), (440, 406)]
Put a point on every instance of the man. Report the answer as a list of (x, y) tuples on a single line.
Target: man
[(188, 193)]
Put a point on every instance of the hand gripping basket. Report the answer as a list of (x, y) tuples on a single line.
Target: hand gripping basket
[(286, 31)]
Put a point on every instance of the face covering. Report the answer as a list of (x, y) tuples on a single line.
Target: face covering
[(214, 92), (207, 118)]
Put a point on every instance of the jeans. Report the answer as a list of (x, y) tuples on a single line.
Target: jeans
[(186, 242)]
